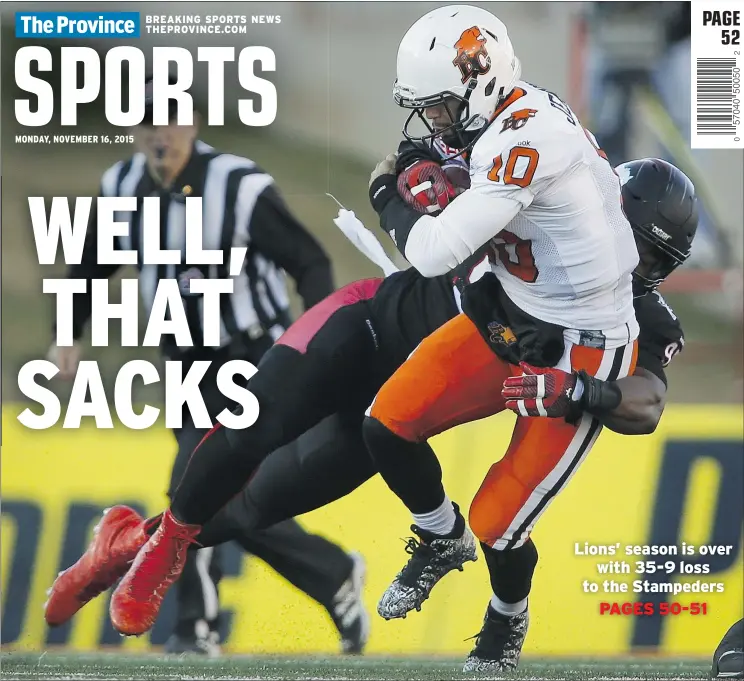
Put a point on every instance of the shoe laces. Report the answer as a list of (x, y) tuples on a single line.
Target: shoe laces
[(495, 634), (423, 556), (150, 577)]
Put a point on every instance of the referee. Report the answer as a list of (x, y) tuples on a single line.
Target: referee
[(241, 207)]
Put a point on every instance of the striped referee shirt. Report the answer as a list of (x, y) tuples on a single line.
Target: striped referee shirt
[(241, 207)]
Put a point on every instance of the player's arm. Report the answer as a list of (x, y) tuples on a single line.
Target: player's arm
[(508, 167), (277, 234), (506, 171), (642, 397), (630, 406), (436, 244)]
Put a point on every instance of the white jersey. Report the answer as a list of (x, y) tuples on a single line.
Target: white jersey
[(549, 203), (567, 255)]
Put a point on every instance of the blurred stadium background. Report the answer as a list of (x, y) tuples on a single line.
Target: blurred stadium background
[(625, 68)]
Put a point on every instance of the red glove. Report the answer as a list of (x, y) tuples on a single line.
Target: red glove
[(541, 392), (424, 186)]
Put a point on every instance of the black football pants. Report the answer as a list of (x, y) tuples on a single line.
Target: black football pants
[(310, 562), (335, 370)]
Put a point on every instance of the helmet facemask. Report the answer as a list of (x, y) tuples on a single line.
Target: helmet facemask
[(658, 261), (458, 134)]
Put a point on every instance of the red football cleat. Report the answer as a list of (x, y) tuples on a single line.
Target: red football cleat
[(136, 601), (116, 540)]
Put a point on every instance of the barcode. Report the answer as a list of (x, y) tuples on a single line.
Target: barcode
[(715, 96)]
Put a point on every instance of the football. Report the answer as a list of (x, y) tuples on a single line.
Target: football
[(428, 187), (458, 176)]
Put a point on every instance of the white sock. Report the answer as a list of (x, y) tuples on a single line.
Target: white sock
[(439, 521), (508, 609)]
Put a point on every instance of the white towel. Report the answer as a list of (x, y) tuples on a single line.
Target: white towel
[(364, 240)]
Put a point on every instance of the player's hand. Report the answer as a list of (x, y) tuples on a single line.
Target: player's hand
[(541, 392), (383, 184), (384, 167), (66, 359), (424, 186)]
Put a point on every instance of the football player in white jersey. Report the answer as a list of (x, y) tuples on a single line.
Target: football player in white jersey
[(549, 204)]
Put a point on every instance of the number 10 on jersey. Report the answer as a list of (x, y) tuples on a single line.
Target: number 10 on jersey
[(523, 178)]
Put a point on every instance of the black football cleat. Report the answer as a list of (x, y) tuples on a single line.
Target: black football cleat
[(431, 559), (499, 643)]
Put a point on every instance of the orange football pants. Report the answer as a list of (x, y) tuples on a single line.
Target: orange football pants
[(452, 378)]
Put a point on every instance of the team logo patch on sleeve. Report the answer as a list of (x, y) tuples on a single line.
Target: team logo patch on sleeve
[(472, 57), (518, 119)]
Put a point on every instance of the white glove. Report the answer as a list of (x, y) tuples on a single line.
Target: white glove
[(384, 167), (364, 240)]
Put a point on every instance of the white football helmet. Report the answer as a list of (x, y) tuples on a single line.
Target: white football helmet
[(456, 55)]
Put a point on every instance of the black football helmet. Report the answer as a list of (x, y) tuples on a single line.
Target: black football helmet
[(660, 204)]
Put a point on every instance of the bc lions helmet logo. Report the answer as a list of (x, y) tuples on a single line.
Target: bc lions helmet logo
[(518, 119), (472, 58)]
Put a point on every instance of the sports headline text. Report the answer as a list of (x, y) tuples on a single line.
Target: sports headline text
[(67, 222), (85, 76)]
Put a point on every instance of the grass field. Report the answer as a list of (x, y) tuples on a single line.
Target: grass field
[(111, 666)]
